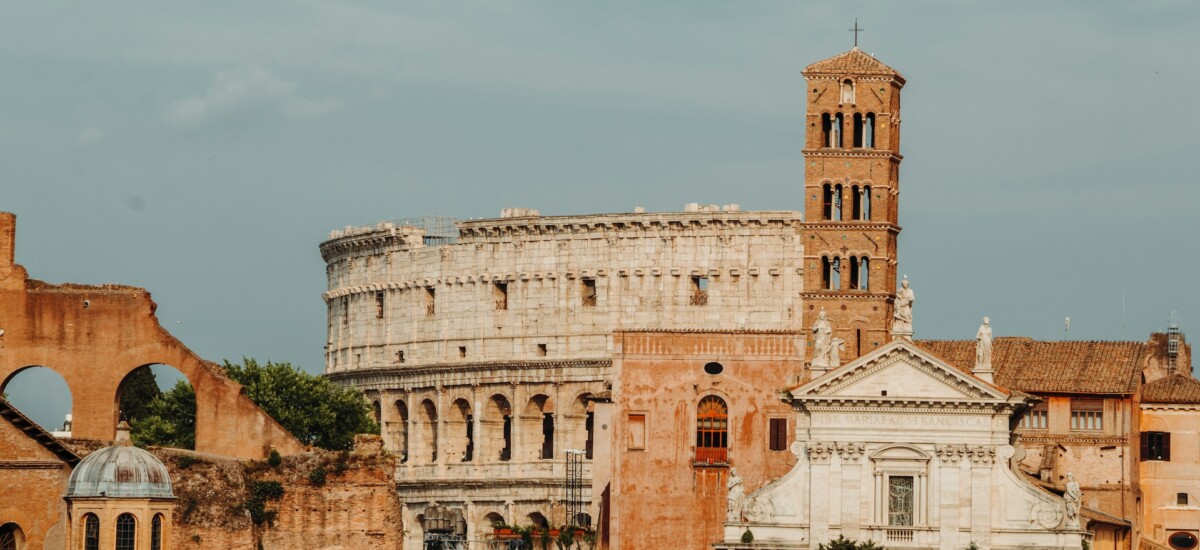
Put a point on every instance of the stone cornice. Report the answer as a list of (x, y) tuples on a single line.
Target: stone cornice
[(604, 223), (365, 377), (1027, 437), (1170, 406), (457, 484), (853, 296), (832, 152), (32, 465), (485, 278), (851, 226), (901, 406)]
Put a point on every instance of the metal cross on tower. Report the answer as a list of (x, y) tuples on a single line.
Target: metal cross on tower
[(855, 31)]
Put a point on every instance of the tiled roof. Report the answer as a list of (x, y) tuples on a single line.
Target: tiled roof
[(1176, 388), (852, 62), (35, 432), (1032, 366)]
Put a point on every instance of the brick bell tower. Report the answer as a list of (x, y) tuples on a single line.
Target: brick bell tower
[(851, 190)]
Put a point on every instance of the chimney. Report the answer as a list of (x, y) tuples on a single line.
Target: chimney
[(8, 238)]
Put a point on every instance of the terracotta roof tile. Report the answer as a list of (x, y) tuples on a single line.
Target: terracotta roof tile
[(34, 431), (854, 61), (1176, 388), (1027, 365)]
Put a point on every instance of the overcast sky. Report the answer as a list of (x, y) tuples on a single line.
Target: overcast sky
[(203, 150)]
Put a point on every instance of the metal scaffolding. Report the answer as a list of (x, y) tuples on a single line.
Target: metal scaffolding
[(1173, 339), (573, 497)]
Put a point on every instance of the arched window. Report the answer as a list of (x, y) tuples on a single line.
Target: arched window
[(865, 204), (712, 430), (847, 91), (11, 537), (837, 203), (91, 532), (827, 202), (399, 431), (864, 273), (855, 203), (156, 532), (826, 130), (869, 131), (858, 130), (126, 532), (853, 272), (839, 122), (826, 272)]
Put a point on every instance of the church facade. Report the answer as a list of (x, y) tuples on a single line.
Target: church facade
[(901, 448)]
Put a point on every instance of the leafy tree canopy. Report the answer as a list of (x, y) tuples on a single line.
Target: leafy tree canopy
[(168, 420), (316, 411), (137, 391), (843, 543)]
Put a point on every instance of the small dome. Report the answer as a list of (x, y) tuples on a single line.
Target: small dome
[(120, 471)]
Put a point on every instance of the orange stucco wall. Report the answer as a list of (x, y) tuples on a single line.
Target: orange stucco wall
[(660, 497)]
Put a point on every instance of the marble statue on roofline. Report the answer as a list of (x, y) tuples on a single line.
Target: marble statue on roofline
[(983, 346), (902, 317), (822, 342)]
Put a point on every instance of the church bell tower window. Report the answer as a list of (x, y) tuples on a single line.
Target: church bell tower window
[(847, 91)]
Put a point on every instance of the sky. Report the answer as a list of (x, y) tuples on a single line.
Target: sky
[(203, 150)]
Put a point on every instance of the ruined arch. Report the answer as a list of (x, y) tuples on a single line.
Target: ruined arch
[(61, 395), (186, 438)]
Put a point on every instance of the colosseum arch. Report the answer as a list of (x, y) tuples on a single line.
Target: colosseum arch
[(459, 431), (398, 428), (537, 428), (425, 446), (496, 425), (94, 335)]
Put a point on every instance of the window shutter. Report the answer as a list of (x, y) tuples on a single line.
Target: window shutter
[(1166, 446), (1144, 450)]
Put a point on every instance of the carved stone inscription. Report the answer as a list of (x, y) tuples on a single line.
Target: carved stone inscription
[(905, 421)]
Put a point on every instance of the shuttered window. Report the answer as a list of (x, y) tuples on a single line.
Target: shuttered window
[(779, 436), (1156, 446)]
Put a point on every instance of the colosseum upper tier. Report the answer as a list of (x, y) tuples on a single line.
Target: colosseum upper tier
[(482, 343)]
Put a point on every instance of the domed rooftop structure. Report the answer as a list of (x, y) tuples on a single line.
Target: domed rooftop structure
[(120, 471)]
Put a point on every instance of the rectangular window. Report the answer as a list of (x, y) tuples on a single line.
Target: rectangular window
[(1087, 414), (430, 300), (1156, 446), (379, 305), (400, 356), (699, 291), (637, 431), (1036, 418), (589, 292), (462, 351), (345, 311), (900, 500), (500, 293), (541, 350), (1181, 499), (779, 434)]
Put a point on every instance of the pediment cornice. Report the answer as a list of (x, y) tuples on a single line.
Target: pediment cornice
[(826, 387)]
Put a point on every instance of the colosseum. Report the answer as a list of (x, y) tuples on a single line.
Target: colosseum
[(485, 345)]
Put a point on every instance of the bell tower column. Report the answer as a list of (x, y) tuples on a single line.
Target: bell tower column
[(851, 174)]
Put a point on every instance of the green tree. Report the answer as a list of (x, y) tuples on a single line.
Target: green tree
[(169, 420), (137, 391), (316, 411), (843, 543)]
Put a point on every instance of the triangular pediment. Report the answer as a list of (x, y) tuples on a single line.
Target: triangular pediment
[(899, 371)]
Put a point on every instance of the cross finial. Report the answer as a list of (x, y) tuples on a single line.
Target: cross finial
[(855, 31)]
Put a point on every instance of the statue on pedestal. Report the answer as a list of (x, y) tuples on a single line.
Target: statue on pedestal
[(902, 319), (822, 342), (734, 496), (1074, 498), (983, 346)]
